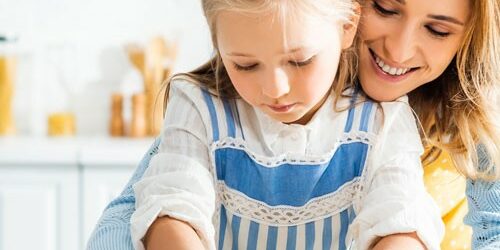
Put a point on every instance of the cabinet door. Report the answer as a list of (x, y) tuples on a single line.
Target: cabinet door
[(39, 208), (100, 186)]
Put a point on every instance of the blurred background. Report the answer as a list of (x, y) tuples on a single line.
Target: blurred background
[(80, 104)]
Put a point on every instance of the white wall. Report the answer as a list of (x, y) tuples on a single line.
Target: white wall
[(83, 40)]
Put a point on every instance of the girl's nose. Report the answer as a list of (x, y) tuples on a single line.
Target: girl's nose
[(276, 84)]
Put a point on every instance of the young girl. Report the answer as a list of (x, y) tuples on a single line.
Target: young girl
[(265, 147)]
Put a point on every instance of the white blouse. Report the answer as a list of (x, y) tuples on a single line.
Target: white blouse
[(180, 182)]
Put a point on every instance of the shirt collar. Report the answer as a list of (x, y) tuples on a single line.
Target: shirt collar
[(272, 129)]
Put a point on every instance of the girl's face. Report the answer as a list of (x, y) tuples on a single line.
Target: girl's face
[(284, 70), (407, 43)]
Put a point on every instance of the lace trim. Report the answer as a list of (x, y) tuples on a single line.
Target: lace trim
[(318, 208), (238, 143)]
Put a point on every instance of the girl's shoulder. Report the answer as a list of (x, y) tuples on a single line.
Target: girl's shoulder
[(181, 86), (218, 115), (195, 92), (356, 101), (200, 97)]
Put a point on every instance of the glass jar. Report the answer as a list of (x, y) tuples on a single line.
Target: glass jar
[(7, 78)]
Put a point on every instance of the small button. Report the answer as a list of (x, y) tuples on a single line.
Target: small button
[(295, 136)]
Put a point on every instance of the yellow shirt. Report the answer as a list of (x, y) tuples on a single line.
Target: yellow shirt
[(447, 187)]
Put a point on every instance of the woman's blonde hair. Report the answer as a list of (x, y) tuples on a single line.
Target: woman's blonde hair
[(213, 76), (460, 110)]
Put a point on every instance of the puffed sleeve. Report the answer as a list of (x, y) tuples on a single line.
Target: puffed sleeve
[(394, 199), (178, 182)]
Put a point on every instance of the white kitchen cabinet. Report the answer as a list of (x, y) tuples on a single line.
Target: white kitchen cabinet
[(52, 191), (39, 208)]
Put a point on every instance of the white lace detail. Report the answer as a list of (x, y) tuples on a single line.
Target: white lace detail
[(274, 161), (318, 208)]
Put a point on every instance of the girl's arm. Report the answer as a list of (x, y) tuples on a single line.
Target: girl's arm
[(178, 182), (408, 241), (170, 234), (394, 208)]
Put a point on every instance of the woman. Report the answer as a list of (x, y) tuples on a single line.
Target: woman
[(445, 55)]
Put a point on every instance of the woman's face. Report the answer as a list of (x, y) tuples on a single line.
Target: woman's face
[(407, 43)]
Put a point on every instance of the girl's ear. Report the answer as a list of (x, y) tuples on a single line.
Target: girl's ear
[(351, 28)]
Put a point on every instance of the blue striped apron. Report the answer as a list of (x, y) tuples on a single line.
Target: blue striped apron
[(285, 203)]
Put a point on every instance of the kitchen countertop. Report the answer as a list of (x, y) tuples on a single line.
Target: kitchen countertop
[(89, 151)]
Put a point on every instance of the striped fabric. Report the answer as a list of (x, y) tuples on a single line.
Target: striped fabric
[(112, 231), (312, 235)]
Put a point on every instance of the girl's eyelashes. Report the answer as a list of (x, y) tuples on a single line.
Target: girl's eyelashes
[(383, 11), (291, 62), (302, 63), (245, 68)]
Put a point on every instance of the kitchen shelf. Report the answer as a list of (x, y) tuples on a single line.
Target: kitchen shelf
[(90, 151)]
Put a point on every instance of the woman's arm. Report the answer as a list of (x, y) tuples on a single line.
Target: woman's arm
[(484, 209), (484, 214), (112, 231)]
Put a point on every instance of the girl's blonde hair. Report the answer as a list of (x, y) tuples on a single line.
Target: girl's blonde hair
[(460, 110), (213, 76)]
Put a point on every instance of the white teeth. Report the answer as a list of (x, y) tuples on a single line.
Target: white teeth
[(390, 70), (386, 68)]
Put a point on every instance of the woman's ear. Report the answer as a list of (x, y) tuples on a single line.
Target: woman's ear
[(351, 28)]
